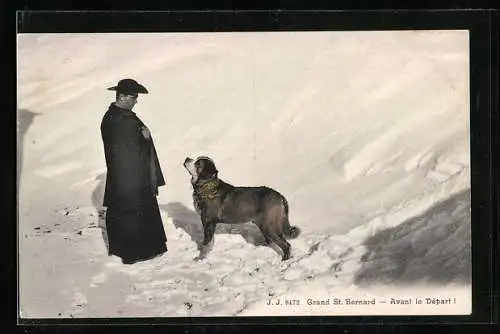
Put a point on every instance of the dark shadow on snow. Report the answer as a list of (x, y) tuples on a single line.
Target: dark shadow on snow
[(433, 248), (190, 222), (97, 199), (25, 119)]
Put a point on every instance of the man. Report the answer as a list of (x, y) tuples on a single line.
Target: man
[(133, 222)]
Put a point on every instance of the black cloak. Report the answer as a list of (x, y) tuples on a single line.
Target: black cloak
[(133, 221)]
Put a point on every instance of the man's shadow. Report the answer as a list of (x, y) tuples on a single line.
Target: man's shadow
[(25, 119), (97, 200), (190, 222)]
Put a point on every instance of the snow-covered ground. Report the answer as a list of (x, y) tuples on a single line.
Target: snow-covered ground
[(365, 133)]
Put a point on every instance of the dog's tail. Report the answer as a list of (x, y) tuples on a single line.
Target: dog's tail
[(291, 232)]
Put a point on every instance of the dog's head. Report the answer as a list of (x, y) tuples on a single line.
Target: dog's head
[(202, 168)]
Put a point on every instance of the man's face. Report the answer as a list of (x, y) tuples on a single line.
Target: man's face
[(127, 101)]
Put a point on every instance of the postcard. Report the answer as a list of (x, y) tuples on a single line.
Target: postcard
[(209, 174)]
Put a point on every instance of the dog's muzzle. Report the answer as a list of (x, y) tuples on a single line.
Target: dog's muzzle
[(189, 166)]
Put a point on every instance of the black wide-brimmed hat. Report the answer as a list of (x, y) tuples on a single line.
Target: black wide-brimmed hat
[(129, 86)]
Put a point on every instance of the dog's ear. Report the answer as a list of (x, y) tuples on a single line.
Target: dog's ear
[(208, 169)]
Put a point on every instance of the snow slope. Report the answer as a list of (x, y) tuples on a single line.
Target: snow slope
[(361, 131)]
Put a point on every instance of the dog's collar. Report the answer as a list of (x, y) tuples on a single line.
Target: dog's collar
[(209, 189)]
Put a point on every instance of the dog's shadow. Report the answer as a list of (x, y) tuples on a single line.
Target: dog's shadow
[(190, 222)]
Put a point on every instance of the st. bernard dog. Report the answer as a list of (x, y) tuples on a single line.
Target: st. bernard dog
[(219, 202)]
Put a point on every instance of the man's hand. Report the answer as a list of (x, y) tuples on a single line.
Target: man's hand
[(145, 132)]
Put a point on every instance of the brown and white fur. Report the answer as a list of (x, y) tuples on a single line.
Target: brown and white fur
[(219, 202)]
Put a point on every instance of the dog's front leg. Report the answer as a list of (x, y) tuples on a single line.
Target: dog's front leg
[(208, 231)]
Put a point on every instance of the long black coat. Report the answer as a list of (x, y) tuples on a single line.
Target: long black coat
[(133, 169), (133, 220)]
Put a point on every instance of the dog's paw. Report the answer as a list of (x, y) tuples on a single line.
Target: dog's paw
[(199, 258), (286, 257)]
